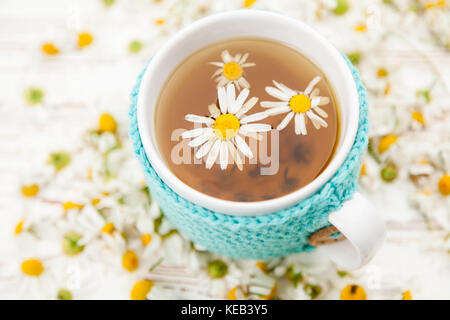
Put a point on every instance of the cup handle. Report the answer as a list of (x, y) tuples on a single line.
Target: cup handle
[(364, 232)]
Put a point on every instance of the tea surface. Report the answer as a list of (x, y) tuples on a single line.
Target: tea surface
[(191, 88)]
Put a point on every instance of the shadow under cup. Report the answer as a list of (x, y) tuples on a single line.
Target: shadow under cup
[(256, 24)]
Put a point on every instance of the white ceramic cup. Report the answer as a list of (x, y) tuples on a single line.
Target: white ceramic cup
[(362, 227)]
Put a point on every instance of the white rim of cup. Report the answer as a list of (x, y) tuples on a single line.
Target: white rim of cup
[(236, 208)]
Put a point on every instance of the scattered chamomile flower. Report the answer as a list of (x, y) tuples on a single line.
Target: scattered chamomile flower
[(108, 228), (130, 261), (298, 104), (353, 292), (30, 191), (386, 142), (444, 185), (236, 293), (248, 3), (407, 295), (360, 27), (84, 39), (34, 96), (145, 239), (418, 116), (342, 7), (59, 160), (382, 73), (425, 94), (49, 49), (217, 269), (231, 70), (107, 123), (135, 46), (160, 21), (64, 294), (294, 275), (32, 267), (69, 205), (141, 289), (262, 285), (70, 244), (108, 3), (226, 128), (19, 227)]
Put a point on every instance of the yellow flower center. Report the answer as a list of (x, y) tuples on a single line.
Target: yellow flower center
[(141, 289), (226, 126), (19, 227), (49, 48), (69, 205), (32, 267), (130, 261), (30, 191), (107, 123), (84, 39), (353, 292), (444, 185), (386, 142), (407, 295), (232, 71), (146, 239), (108, 228), (300, 103)]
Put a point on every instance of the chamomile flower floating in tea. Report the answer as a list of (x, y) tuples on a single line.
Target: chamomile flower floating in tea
[(299, 104), (231, 70), (226, 128)]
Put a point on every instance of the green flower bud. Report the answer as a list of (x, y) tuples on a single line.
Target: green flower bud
[(217, 269), (59, 160), (135, 46), (70, 244), (341, 7), (34, 96), (389, 172), (64, 294)]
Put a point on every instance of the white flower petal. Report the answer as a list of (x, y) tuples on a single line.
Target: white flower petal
[(212, 156), (194, 133), (244, 58), (222, 99), (311, 85), (314, 93), (218, 71), (324, 101), (235, 155), (237, 105), (300, 126), (217, 64), (222, 81), (274, 104), (247, 106), (277, 93), (243, 82), (231, 96), (226, 57), (213, 110), (285, 121), (237, 58), (223, 155), (316, 120), (288, 91), (320, 112), (254, 117), (242, 146), (256, 127), (198, 119), (201, 139), (276, 111), (248, 64), (204, 149)]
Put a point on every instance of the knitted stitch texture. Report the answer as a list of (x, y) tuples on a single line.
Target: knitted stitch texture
[(268, 236)]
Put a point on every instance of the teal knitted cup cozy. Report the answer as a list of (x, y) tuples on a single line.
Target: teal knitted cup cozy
[(258, 237)]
